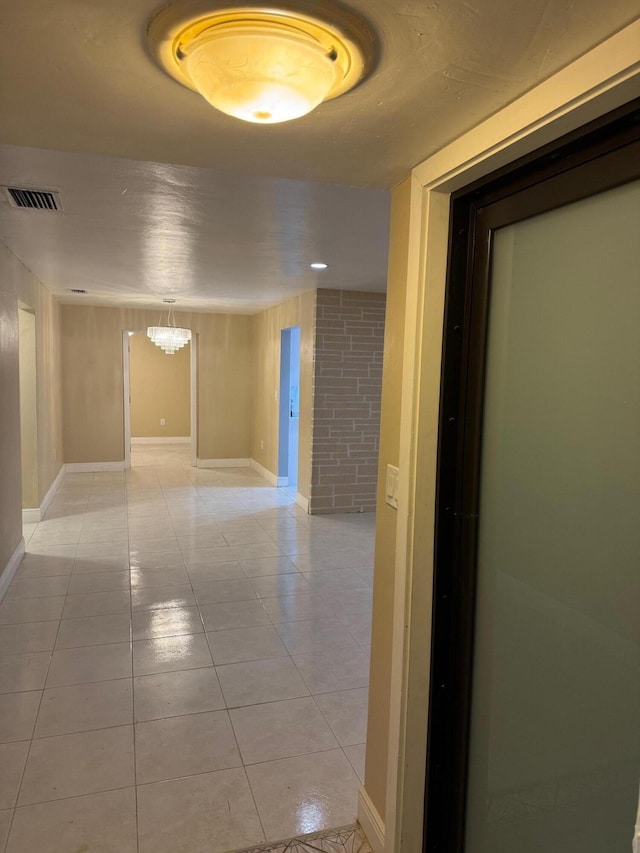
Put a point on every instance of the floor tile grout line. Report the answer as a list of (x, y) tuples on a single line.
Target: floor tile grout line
[(42, 621), (82, 683), (133, 711), (343, 748), (274, 511), (152, 610), (35, 723), (246, 775), (31, 597), (78, 796), (82, 731), (253, 799), (285, 757)]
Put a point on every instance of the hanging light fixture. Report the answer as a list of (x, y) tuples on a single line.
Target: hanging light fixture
[(260, 64), (169, 338)]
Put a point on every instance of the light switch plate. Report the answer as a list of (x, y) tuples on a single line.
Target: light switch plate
[(391, 492)]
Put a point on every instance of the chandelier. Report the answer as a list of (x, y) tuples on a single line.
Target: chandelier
[(169, 338)]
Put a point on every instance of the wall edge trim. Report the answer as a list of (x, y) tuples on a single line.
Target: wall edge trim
[(53, 488), (588, 87), (371, 822), (264, 472), (223, 463), (36, 514), (11, 568), (93, 467), (302, 501)]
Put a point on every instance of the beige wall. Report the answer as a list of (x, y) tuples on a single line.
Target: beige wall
[(28, 407), (18, 285), (11, 491), (266, 328), (160, 389), (93, 381), (49, 381), (381, 639)]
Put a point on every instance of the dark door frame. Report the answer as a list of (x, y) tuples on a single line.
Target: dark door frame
[(600, 156)]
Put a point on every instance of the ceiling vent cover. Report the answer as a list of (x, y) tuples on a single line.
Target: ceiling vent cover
[(32, 199)]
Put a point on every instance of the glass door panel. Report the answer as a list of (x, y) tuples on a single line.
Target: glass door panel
[(554, 760)]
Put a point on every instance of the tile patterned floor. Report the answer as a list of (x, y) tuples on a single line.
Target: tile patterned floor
[(184, 662), (348, 839)]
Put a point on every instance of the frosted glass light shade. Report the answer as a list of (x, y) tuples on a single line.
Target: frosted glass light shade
[(260, 76), (262, 64)]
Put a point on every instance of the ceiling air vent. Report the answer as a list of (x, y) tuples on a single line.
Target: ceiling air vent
[(75, 290), (31, 199)]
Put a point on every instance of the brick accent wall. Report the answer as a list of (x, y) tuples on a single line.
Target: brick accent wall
[(346, 400)]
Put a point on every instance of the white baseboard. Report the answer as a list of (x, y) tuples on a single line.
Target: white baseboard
[(302, 501), (11, 568), (53, 488), (92, 467), (223, 463), (31, 516), (264, 472), (161, 439), (370, 821)]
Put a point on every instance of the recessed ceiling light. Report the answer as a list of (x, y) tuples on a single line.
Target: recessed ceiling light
[(318, 265), (261, 64)]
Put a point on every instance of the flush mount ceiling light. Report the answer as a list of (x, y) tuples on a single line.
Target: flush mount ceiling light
[(170, 338), (263, 65), (318, 265)]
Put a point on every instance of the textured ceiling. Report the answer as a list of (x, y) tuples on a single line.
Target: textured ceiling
[(133, 232), (76, 76), (163, 195)]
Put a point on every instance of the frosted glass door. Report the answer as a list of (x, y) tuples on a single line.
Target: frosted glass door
[(554, 761)]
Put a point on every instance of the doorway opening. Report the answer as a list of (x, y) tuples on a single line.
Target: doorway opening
[(289, 420), (28, 414), (160, 394)]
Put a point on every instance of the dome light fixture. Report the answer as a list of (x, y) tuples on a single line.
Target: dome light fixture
[(260, 64), (318, 265)]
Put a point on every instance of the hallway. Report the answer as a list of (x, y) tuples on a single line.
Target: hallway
[(185, 657)]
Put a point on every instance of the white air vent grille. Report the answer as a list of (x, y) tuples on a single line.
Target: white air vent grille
[(32, 199)]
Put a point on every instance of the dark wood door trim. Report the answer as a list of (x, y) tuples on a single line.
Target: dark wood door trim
[(601, 156)]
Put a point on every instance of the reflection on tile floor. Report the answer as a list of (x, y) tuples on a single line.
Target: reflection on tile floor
[(209, 641), (348, 839)]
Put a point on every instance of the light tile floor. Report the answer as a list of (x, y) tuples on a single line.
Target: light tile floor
[(184, 659)]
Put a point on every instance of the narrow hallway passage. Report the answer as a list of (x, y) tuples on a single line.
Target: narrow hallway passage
[(185, 665)]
